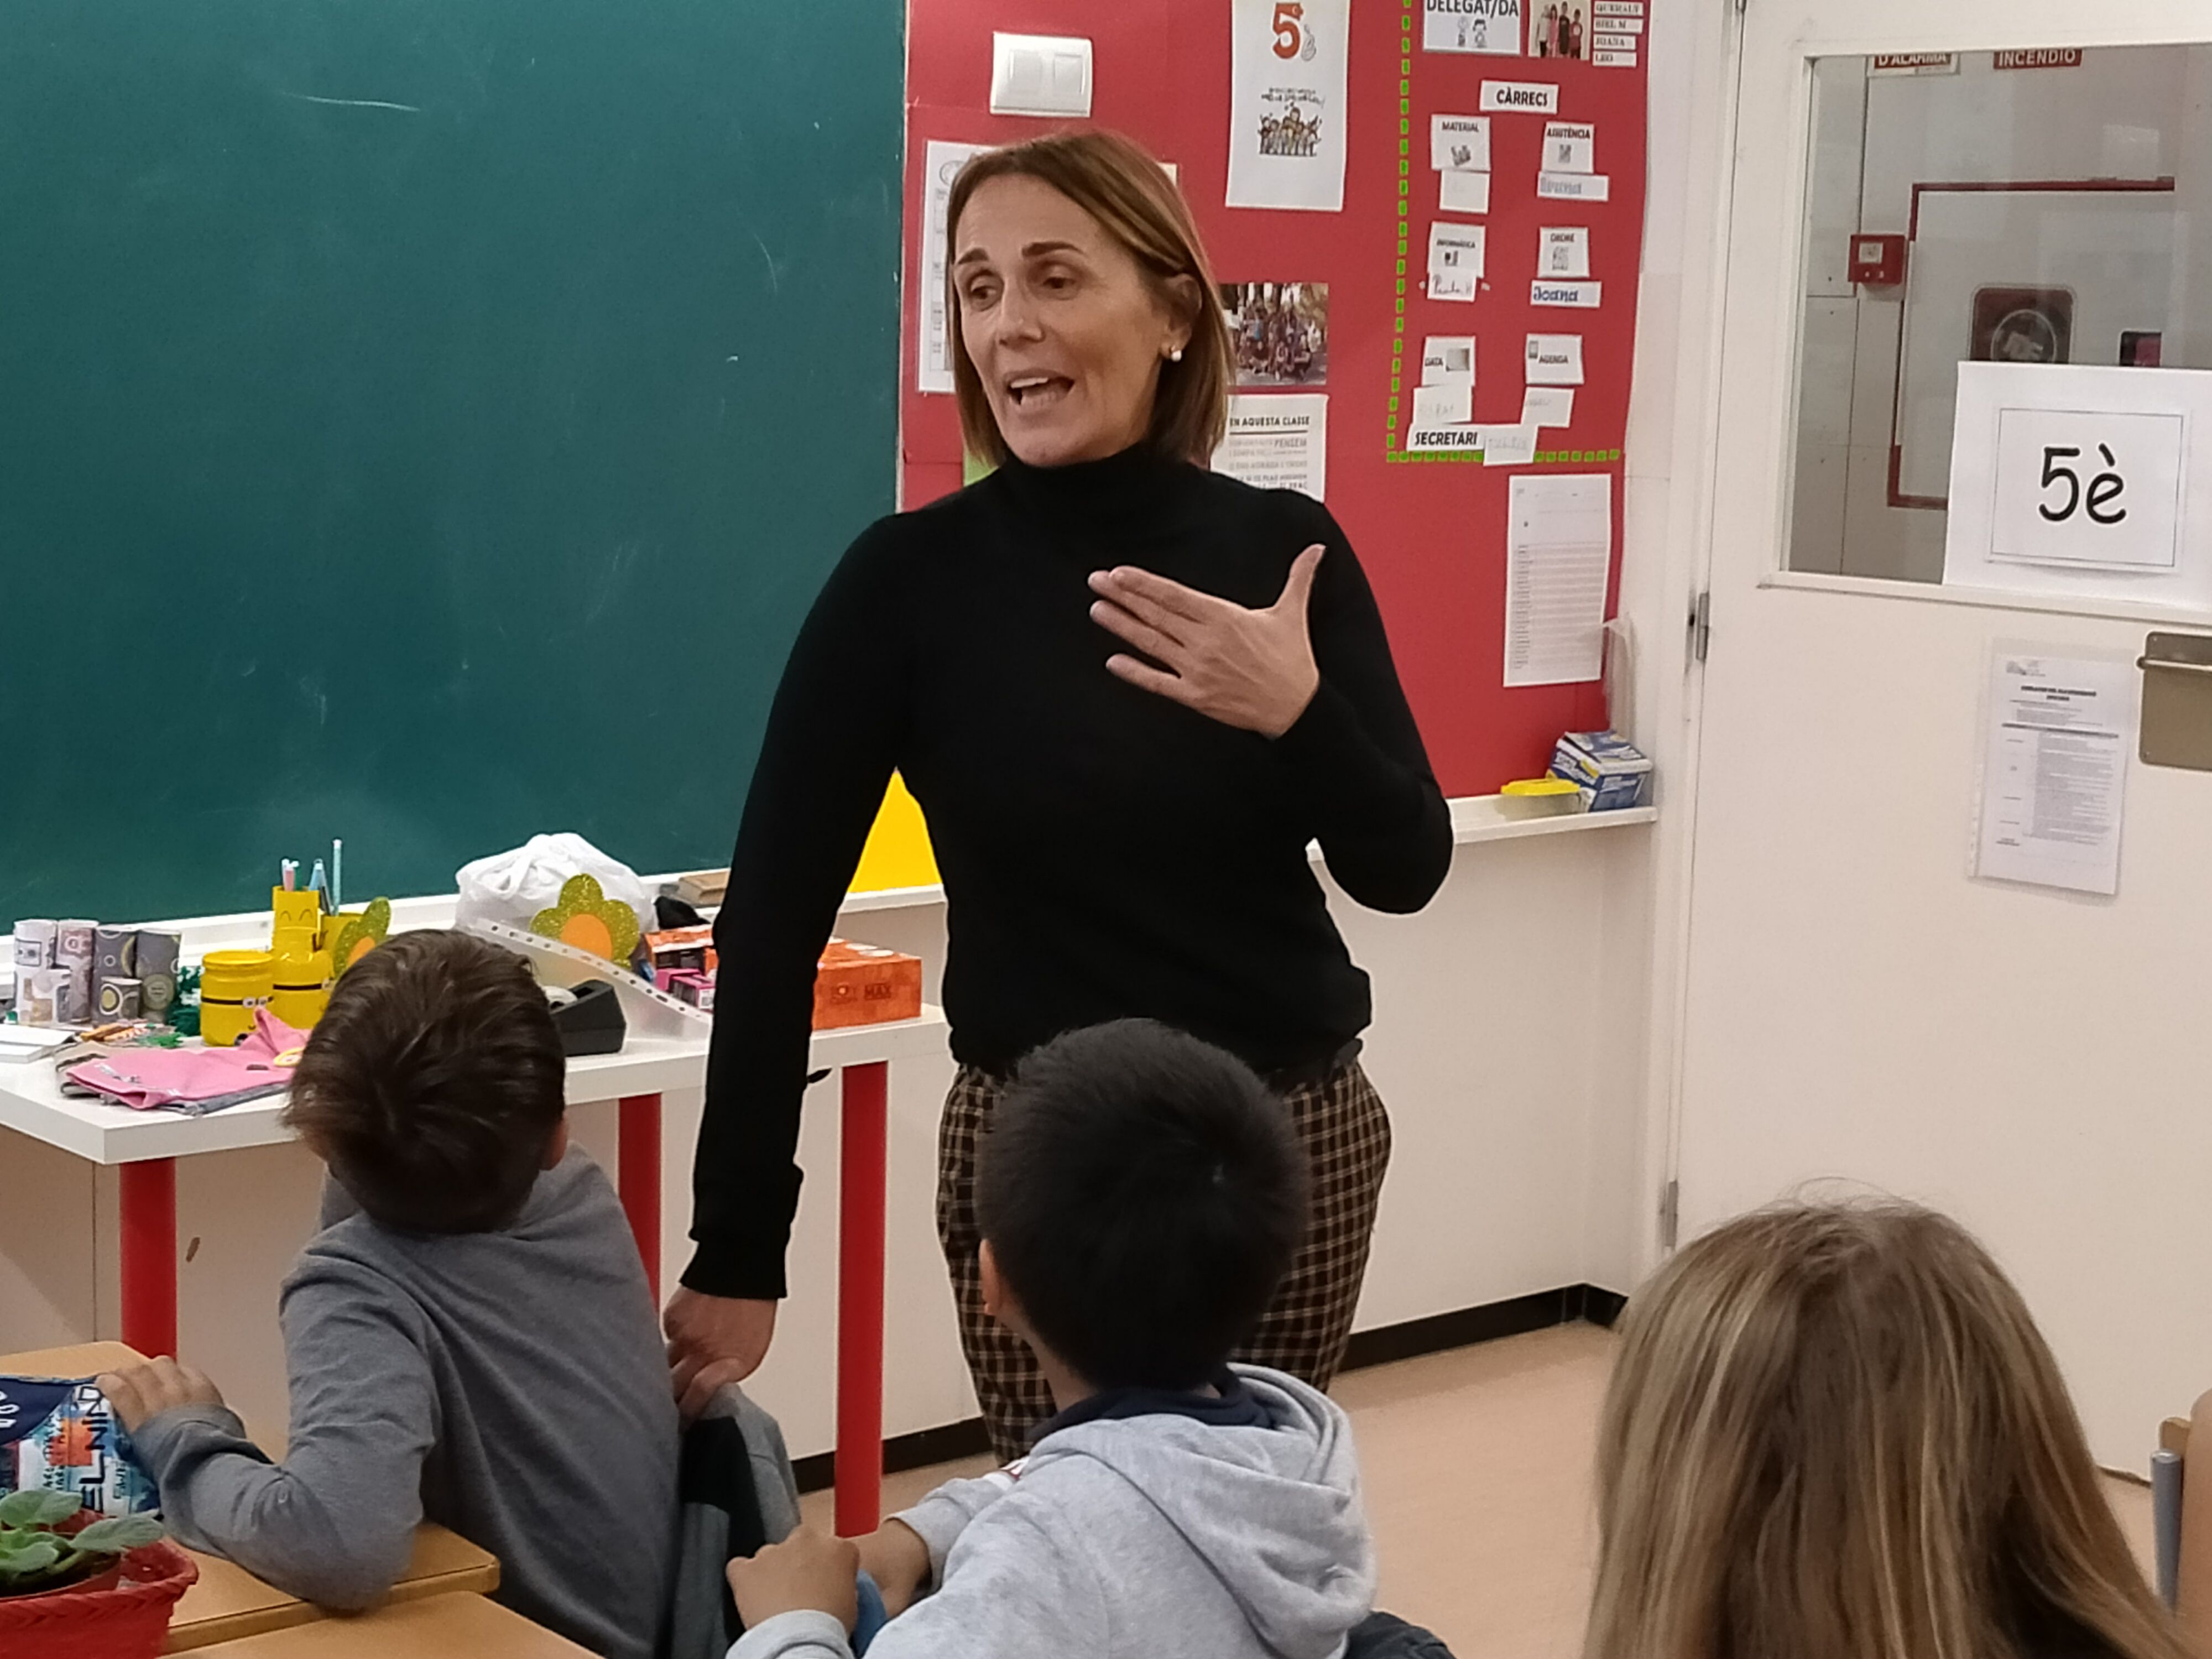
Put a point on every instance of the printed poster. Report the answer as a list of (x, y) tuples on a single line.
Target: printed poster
[(2059, 733), (1277, 441), (1558, 554), (1287, 104), (941, 164), (1492, 27)]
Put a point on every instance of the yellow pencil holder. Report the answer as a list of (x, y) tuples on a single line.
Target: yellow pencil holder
[(295, 922), (233, 986), (302, 989)]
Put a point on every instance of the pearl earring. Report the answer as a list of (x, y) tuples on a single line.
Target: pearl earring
[(1175, 356)]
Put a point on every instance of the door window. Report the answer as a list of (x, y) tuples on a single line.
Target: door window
[(2023, 207)]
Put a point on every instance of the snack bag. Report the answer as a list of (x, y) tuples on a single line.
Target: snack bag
[(60, 1434)]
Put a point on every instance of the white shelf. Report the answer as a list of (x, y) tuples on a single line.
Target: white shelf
[(1478, 817), (1473, 818)]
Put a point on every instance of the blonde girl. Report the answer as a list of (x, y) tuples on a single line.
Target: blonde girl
[(1834, 1432)]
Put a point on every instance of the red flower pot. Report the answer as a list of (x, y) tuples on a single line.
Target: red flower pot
[(123, 1614)]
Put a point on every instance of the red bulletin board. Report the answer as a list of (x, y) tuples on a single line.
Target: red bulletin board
[(1431, 532)]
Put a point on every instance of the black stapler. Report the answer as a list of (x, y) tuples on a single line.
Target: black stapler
[(589, 1017)]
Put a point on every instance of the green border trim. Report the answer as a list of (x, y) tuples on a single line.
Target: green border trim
[(1474, 457), (1405, 170)]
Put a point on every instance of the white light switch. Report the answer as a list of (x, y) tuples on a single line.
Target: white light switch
[(1040, 74)]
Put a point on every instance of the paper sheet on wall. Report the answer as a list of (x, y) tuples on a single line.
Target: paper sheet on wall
[(1547, 405), (941, 162), (1558, 550), (1575, 187), (1508, 446), (1443, 439), (1564, 251), (2059, 733), (1456, 259), (1484, 26), (1463, 192), (1459, 143), (1446, 402), (1277, 442), (1555, 359), (1570, 296), (1448, 357), (1287, 104)]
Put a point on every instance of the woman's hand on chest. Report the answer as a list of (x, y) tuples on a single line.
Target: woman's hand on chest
[(1250, 669)]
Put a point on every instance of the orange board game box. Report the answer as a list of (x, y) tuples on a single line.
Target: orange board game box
[(863, 985), (682, 950)]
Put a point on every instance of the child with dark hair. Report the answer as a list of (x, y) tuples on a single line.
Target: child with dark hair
[(1140, 1196), (470, 1338)]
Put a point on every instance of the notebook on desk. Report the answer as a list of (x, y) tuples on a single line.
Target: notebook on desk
[(23, 1042)]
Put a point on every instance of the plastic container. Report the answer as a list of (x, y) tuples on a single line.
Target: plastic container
[(119, 999), (1539, 798), (300, 989), (233, 986), (122, 1614), (295, 921)]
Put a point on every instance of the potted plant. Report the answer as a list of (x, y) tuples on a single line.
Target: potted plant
[(74, 1585)]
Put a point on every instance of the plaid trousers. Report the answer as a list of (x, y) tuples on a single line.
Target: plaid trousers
[(1346, 1132)]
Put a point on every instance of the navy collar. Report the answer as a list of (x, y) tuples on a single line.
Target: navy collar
[(1235, 1408)]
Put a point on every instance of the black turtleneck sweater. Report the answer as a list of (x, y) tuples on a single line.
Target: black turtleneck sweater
[(1106, 852)]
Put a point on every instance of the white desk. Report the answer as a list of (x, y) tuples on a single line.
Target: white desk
[(145, 1146), (31, 1102)]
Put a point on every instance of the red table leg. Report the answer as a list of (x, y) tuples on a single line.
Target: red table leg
[(637, 1174), (861, 1157), (150, 1255)]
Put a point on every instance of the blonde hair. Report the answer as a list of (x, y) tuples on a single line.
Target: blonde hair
[(1130, 195), (1834, 1431)]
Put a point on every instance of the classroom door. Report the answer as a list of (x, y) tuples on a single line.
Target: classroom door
[(1859, 1003)]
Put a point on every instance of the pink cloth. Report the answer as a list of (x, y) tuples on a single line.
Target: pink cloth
[(261, 1063)]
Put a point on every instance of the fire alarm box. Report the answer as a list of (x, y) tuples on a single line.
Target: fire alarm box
[(1878, 261)]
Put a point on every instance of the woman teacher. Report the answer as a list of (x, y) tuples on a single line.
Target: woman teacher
[(1127, 693)]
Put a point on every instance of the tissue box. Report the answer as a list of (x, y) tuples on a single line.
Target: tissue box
[(864, 985), (1611, 772)]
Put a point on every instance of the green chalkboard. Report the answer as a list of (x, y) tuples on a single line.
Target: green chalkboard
[(424, 422)]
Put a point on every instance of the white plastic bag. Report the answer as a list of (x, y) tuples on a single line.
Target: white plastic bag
[(513, 887)]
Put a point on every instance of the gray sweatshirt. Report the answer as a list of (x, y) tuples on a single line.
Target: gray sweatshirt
[(512, 1386), (1136, 1538)]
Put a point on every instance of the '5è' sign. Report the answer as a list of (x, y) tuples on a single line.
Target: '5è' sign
[(2096, 489)]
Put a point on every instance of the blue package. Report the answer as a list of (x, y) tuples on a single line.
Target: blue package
[(872, 1616), (1611, 772), (59, 1434)]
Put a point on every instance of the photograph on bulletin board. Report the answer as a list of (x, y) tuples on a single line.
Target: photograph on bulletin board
[(1431, 277), (1280, 331)]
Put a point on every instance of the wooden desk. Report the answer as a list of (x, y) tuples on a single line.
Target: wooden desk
[(229, 1602), (435, 1627), (86, 1359)]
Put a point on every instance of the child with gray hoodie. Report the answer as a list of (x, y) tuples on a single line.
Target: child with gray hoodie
[(1139, 1195)]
